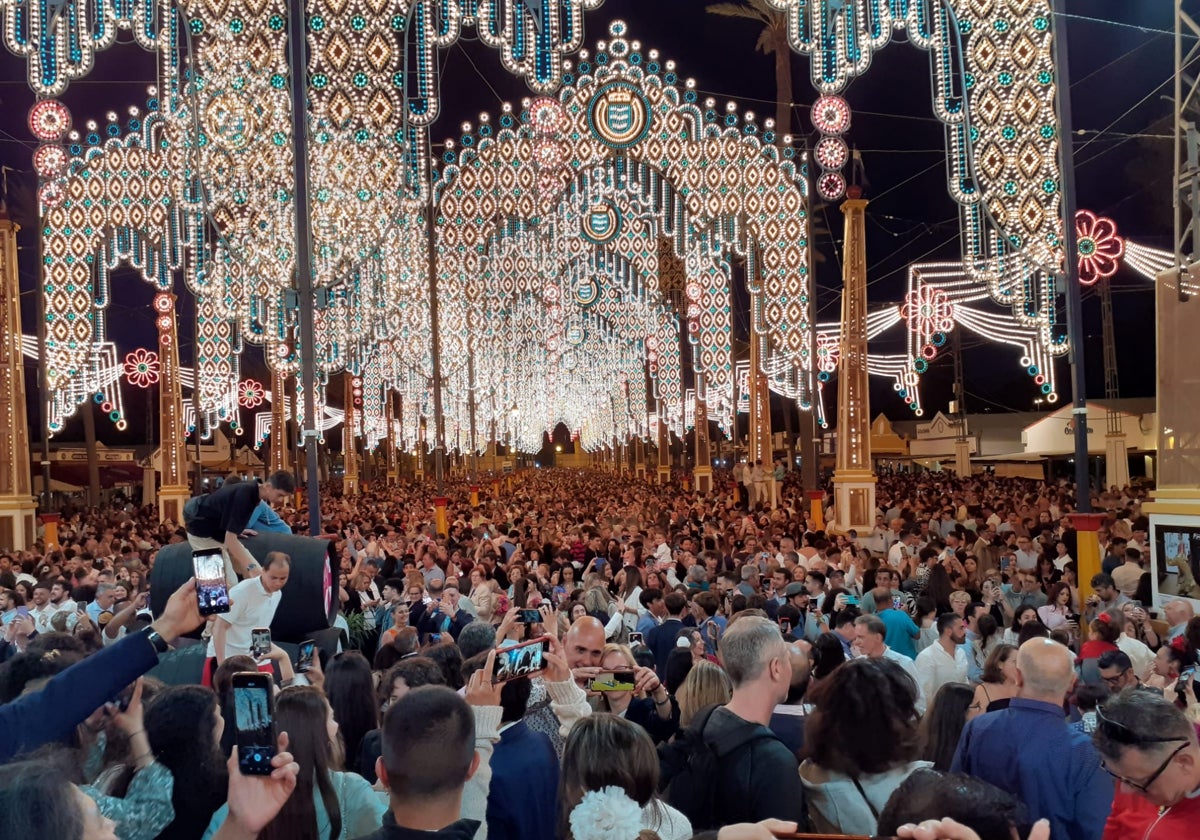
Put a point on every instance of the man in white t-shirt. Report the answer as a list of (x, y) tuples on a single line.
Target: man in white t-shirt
[(252, 604), (901, 551), (1027, 557)]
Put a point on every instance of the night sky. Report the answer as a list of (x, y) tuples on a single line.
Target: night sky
[(1121, 69)]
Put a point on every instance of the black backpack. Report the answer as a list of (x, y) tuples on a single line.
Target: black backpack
[(690, 766)]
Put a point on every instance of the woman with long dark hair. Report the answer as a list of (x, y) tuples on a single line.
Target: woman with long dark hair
[(943, 724), (327, 804), (184, 725), (351, 692)]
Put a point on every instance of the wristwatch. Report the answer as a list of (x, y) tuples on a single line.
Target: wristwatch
[(156, 640)]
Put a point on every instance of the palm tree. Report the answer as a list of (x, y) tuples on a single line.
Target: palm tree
[(772, 40)]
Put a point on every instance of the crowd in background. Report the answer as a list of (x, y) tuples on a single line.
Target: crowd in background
[(939, 675)]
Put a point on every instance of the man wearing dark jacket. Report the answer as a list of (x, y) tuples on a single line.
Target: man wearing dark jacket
[(522, 799), (428, 757), (752, 774), (661, 640)]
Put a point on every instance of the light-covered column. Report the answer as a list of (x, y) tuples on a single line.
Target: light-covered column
[(16, 490), (853, 478), (354, 391), (173, 492)]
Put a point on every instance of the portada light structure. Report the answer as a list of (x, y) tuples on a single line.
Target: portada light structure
[(993, 87), (647, 162), (213, 199), (202, 179)]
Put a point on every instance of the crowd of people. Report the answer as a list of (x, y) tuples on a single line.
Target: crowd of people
[(690, 665)]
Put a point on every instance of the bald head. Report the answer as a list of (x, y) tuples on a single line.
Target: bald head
[(1046, 670), (585, 643), (1178, 611), (801, 660)]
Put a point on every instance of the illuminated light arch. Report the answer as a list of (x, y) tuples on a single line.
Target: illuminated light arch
[(626, 106), (994, 90), (116, 207), (620, 246)]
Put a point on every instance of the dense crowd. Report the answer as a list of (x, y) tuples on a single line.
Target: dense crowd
[(586, 656)]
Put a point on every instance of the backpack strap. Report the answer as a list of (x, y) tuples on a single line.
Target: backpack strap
[(863, 794)]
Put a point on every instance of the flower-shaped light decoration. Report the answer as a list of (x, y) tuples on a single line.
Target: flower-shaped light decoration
[(251, 393), (1100, 248), (49, 161), (832, 152), (831, 115), (141, 368), (52, 194), (548, 115), (831, 186), (928, 310), (930, 315), (49, 120), (606, 814)]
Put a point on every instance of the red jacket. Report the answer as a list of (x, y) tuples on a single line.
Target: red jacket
[(1133, 818)]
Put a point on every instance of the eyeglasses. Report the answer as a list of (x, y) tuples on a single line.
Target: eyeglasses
[(1115, 681), (1122, 734), (1144, 787)]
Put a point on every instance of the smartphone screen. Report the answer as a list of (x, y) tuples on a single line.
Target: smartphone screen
[(636, 639), (209, 569), (521, 660), (614, 681), (785, 626), (24, 612), (255, 720), (304, 656), (530, 617), (260, 642)]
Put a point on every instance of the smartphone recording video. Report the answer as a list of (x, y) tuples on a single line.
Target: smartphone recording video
[(530, 617), (614, 681), (521, 660), (785, 626), (636, 639), (254, 716), (304, 656), (260, 642), (209, 568)]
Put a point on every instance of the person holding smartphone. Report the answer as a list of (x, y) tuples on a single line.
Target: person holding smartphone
[(648, 705), (252, 604)]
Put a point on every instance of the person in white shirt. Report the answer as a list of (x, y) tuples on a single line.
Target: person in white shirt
[(252, 604), (42, 610), (869, 632), (60, 597), (901, 551), (1027, 556), (945, 661)]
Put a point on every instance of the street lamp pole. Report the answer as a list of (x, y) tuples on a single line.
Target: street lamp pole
[(1070, 275), (298, 66)]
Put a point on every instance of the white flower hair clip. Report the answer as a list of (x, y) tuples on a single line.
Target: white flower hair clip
[(606, 814)]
